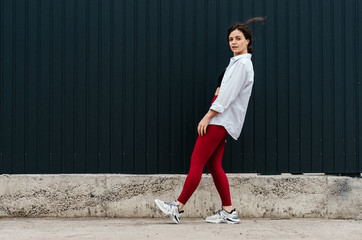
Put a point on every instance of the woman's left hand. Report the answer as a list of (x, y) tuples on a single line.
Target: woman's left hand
[(201, 128)]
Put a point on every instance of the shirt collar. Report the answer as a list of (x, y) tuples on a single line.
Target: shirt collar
[(245, 55)]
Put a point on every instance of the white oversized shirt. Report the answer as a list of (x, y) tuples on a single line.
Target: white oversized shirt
[(235, 90)]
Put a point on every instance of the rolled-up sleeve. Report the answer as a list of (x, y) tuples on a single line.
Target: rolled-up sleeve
[(231, 88)]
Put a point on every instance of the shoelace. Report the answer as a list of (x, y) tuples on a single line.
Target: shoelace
[(171, 204), (219, 213)]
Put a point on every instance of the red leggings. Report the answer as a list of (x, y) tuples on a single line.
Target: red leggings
[(208, 151)]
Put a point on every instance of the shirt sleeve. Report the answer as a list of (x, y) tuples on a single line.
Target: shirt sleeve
[(231, 89)]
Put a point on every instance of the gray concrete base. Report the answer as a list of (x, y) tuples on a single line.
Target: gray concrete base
[(113, 195)]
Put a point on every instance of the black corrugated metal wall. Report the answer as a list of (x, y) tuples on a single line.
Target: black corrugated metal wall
[(111, 86)]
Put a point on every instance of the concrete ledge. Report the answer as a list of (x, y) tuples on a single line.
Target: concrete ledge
[(113, 195)]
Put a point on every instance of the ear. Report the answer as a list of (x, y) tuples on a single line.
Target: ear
[(248, 41)]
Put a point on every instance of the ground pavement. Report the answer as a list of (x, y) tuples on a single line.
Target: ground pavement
[(191, 228)]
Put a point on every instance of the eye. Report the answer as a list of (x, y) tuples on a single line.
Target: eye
[(230, 39)]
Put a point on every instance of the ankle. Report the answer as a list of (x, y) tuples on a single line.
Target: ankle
[(180, 206), (229, 209)]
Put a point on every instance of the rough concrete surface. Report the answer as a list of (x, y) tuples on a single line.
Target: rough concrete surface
[(116, 195), (163, 229)]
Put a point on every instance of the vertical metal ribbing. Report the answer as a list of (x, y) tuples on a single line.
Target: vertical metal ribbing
[(276, 84), (356, 84), (333, 93), (265, 167), (63, 87), (51, 88), (170, 89), (217, 29), (26, 85), (87, 84), (321, 53), (338, 108), (13, 86), (38, 64), (75, 76), (1, 82), (194, 59), (344, 110), (135, 84), (99, 100), (358, 107), (254, 114), (147, 78), (182, 68), (288, 88), (158, 81), (229, 12), (111, 93), (207, 47), (123, 81), (299, 91), (359, 79), (310, 166)]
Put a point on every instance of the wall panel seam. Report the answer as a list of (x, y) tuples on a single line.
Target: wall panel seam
[(170, 89), (265, 91), (287, 72), (135, 15), (51, 89), (344, 132), (99, 85), (63, 88), (26, 40), (276, 91), (158, 81), (111, 93), (75, 89), (2, 85), (146, 86), (13, 102), (87, 84), (123, 80), (310, 77), (183, 155), (357, 87), (321, 52), (333, 89)]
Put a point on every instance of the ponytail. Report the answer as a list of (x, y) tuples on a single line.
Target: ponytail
[(256, 19)]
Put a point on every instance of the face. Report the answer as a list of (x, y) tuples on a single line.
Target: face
[(238, 43)]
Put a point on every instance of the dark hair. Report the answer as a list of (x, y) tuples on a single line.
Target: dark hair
[(243, 27)]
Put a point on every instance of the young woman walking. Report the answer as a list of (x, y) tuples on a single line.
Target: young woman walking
[(225, 117)]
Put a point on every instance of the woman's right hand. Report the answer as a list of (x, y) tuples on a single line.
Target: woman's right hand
[(201, 128)]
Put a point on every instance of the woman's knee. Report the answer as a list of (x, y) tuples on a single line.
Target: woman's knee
[(214, 167)]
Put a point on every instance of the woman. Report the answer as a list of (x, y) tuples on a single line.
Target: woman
[(226, 116)]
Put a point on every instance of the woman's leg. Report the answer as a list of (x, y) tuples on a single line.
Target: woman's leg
[(214, 165), (204, 148)]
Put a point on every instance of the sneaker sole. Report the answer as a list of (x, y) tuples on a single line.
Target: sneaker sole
[(222, 222)]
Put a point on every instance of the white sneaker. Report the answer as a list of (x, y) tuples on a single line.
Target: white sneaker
[(170, 209), (223, 216)]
